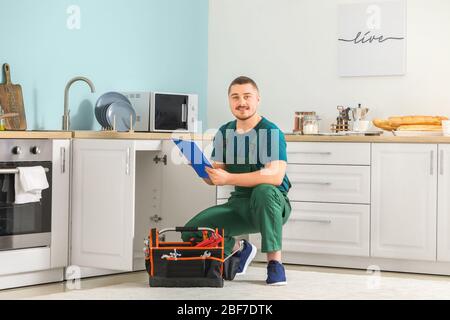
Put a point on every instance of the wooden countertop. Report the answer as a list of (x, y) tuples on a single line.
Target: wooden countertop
[(138, 135), (36, 134), (386, 138)]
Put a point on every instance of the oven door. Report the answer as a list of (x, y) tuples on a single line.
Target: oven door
[(169, 112), (25, 225)]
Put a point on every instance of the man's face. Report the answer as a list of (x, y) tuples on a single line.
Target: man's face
[(244, 100)]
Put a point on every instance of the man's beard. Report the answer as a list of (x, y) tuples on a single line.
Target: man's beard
[(246, 118)]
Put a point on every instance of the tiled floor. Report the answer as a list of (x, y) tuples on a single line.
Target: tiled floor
[(95, 282)]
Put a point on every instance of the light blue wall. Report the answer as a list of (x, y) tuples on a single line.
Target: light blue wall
[(122, 45)]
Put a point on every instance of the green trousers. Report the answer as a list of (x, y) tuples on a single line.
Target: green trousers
[(264, 211)]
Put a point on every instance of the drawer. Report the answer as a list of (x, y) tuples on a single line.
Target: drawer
[(328, 153), (224, 192), (324, 228), (341, 184)]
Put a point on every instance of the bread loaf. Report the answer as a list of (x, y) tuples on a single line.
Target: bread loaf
[(419, 127), (382, 124), (415, 120)]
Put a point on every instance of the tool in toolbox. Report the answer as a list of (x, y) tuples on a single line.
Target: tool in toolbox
[(188, 264), (209, 239)]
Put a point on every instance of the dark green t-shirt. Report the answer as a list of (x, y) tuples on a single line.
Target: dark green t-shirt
[(250, 151)]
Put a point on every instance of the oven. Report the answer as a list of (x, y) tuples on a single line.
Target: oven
[(25, 225)]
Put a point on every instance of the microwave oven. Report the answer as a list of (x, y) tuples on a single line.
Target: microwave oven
[(164, 112)]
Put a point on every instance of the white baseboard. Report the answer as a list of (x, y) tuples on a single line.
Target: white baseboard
[(31, 278), (364, 263)]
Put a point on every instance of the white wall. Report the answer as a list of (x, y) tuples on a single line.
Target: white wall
[(289, 47)]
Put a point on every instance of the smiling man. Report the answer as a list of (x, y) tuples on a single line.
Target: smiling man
[(250, 154)]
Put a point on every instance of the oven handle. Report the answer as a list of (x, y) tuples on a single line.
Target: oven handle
[(10, 171)]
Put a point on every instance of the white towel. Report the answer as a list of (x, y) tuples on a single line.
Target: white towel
[(33, 178), (29, 183)]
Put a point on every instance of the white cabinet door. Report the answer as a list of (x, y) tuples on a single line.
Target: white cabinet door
[(404, 190), (184, 194), (443, 244), (103, 204), (60, 203)]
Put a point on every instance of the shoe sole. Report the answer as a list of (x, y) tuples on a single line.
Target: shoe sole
[(249, 260), (283, 283)]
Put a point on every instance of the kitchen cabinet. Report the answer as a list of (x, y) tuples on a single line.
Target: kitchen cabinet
[(443, 230), (330, 199), (404, 193), (60, 203), (103, 203), (121, 189)]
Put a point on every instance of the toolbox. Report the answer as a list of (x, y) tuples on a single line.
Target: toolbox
[(187, 264)]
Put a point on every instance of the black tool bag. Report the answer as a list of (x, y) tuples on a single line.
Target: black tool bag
[(184, 264), (230, 267)]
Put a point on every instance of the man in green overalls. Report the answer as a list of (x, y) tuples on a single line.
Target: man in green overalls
[(249, 153)]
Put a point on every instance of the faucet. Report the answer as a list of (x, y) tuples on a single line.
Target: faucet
[(66, 116)]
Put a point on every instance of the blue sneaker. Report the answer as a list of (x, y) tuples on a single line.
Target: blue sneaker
[(246, 256), (275, 274)]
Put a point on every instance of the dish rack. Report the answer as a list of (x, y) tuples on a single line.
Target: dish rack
[(113, 128)]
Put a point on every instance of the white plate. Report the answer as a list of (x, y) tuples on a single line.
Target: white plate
[(406, 133)]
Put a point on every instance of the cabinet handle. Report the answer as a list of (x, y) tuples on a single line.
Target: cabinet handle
[(441, 168), (315, 220), (63, 159), (127, 166), (312, 152), (431, 162), (312, 182), (184, 112)]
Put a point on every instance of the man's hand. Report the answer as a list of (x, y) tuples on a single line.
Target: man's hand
[(218, 177)]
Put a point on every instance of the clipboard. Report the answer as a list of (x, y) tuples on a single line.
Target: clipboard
[(194, 155)]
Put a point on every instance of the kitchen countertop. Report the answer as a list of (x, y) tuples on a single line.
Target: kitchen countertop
[(386, 138), (137, 135), (44, 134)]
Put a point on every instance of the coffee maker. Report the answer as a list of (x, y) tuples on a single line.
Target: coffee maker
[(342, 121), (359, 114)]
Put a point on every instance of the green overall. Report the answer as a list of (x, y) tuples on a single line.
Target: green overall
[(260, 209)]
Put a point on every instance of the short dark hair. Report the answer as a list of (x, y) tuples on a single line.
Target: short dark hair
[(242, 80)]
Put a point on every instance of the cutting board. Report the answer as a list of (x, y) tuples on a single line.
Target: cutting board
[(11, 100)]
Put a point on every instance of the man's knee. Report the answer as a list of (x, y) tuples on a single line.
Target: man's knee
[(264, 192)]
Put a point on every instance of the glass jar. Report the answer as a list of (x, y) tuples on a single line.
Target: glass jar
[(298, 122), (310, 124)]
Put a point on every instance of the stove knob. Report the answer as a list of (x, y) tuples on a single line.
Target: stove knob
[(35, 150), (16, 150)]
